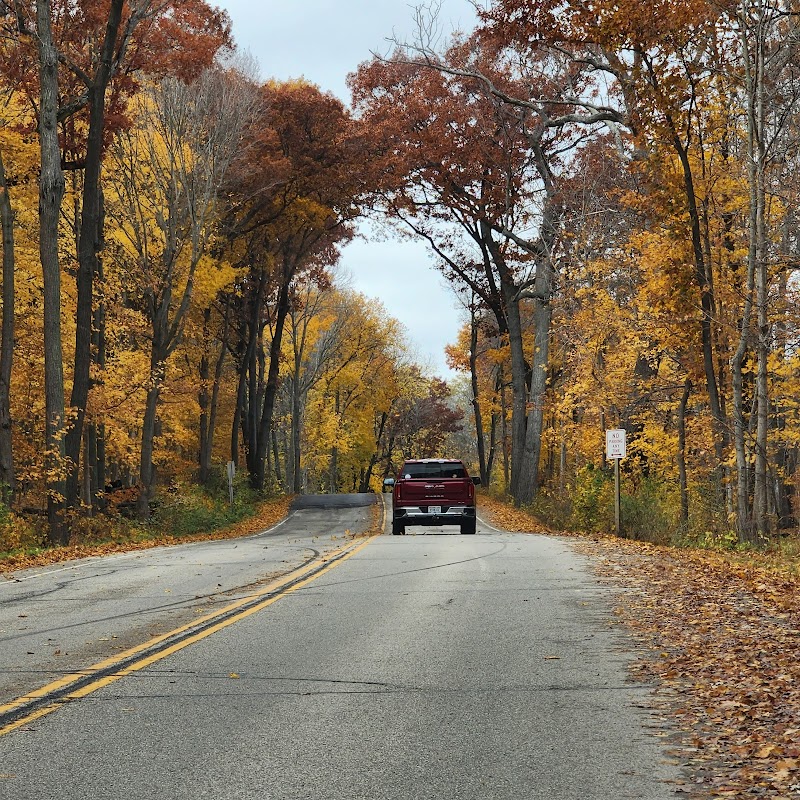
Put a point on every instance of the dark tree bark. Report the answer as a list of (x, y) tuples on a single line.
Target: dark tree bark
[(476, 406), (95, 464), (684, 489), (51, 193), (7, 479), (257, 478), (89, 242), (209, 403), (146, 466)]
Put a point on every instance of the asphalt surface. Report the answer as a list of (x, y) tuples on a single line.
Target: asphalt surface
[(431, 665)]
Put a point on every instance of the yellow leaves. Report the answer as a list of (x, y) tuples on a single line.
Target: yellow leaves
[(211, 277)]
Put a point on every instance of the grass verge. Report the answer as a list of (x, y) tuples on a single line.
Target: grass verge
[(180, 520)]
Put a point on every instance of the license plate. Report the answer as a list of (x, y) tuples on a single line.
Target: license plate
[(434, 509)]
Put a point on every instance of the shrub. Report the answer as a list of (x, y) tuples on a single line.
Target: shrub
[(189, 509), (593, 500), (556, 509), (650, 514), (18, 534)]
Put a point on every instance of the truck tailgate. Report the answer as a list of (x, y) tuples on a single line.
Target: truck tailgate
[(439, 492)]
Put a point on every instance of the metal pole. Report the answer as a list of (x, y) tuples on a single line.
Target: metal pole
[(617, 509)]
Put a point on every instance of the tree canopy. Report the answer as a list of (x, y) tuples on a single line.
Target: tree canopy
[(610, 190)]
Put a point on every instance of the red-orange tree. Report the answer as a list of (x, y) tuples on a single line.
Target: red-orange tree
[(474, 159), (292, 200)]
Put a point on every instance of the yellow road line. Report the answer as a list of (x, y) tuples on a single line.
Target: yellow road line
[(275, 589)]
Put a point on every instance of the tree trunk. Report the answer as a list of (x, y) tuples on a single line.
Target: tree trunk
[(209, 401), (296, 430), (97, 432), (519, 393), (504, 431), (257, 477), (146, 468), (247, 392), (7, 479), (682, 480), (753, 528), (51, 193), (212, 414), (542, 317), (204, 401), (758, 157), (743, 519), (89, 243), (376, 454), (476, 406), (492, 447), (703, 283), (276, 456)]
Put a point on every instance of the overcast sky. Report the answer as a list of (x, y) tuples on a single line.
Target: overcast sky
[(323, 41)]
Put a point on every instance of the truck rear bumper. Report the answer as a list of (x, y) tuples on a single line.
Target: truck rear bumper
[(417, 515)]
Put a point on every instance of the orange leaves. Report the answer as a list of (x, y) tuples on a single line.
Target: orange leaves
[(506, 516)]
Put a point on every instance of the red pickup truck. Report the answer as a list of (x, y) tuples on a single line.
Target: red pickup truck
[(433, 491)]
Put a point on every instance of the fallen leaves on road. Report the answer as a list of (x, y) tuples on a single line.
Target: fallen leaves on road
[(505, 516)]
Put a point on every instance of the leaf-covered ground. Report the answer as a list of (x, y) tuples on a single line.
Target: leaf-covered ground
[(269, 513), (721, 639)]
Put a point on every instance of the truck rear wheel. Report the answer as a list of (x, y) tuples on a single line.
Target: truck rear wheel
[(398, 528), (468, 527)]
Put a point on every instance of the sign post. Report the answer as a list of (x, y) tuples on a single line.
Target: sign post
[(616, 450)]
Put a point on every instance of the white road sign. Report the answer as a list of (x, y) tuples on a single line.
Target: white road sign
[(615, 443)]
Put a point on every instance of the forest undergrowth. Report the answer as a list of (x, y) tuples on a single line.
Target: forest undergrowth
[(719, 634), (184, 520)]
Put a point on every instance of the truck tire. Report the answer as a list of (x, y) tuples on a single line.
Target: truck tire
[(468, 527), (398, 528)]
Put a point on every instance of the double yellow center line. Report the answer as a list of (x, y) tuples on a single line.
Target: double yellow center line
[(75, 685)]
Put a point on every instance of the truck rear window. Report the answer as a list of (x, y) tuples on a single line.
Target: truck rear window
[(433, 471)]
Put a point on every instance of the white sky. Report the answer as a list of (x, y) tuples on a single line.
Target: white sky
[(323, 41)]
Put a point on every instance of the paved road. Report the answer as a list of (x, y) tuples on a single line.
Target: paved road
[(433, 665), (65, 617)]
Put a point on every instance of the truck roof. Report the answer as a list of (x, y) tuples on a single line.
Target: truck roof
[(432, 461)]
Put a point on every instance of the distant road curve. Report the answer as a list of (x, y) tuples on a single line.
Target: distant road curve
[(334, 501)]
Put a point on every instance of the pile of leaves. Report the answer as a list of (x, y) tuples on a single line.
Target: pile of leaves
[(500, 512), (720, 636)]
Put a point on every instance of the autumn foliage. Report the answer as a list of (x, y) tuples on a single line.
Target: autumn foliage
[(610, 190), (195, 217)]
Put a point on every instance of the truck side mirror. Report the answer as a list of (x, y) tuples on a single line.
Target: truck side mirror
[(476, 480), (388, 483)]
